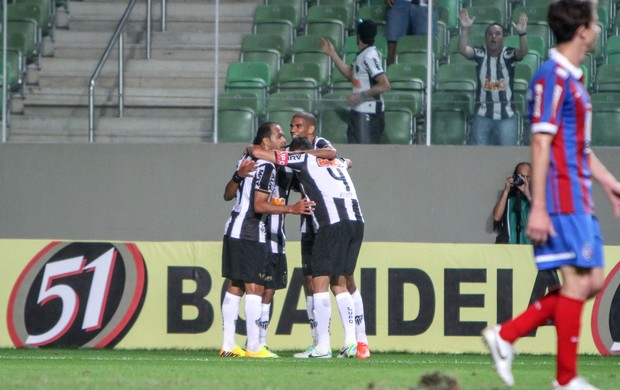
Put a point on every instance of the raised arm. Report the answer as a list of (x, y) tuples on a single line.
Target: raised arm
[(466, 22), (245, 169), (521, 28), (328, 49)]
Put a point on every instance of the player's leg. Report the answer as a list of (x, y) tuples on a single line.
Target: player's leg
[(230, 314), (323, 316), (363, 352), (265, 315), (580, 284), (307, 241), (347, 316)]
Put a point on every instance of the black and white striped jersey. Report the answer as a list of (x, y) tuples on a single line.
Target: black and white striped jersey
[(495, 77), (306, 220), (276, 233), (327, 183), (244, 222)]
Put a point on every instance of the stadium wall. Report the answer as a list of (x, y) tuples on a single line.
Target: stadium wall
[(139, 261), (125, 192)]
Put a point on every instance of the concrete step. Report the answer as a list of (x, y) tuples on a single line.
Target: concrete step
[(112, 129)]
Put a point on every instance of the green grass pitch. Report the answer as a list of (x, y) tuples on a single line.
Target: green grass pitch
[(179, 369)]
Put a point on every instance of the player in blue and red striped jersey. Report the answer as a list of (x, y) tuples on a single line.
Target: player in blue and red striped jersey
[(562, 226)]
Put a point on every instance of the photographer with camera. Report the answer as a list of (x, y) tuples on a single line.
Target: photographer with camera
[(513, 206)]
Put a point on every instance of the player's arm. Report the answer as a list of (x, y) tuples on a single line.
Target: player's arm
[(607, 181), (328, 154), (539, 225), (245, 169), (263, 205)]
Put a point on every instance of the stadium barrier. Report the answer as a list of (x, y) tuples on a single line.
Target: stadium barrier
[(418, 297)]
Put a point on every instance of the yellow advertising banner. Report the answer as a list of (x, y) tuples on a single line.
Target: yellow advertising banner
[(417, 297)]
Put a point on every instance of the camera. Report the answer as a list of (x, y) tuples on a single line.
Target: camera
[(517, 180)]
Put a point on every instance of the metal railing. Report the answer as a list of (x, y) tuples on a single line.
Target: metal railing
[(117, 37)]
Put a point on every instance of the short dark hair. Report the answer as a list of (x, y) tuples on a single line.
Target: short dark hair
[(264, 131), (367, 31), (308, 117), (565, 16), (491, 25), (300, 143)]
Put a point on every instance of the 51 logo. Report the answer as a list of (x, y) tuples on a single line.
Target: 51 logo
[(84, 295)]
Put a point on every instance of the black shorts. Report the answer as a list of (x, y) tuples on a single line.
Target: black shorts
[(245, 260), (336, 248), (307, 242), (277, 274)]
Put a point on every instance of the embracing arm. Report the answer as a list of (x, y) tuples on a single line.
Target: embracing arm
[(263, 205), (245, 169)]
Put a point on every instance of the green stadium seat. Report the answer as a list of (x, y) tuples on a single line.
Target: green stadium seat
[(300, 101), (339, 82), (457, 78), (534, 43), (307, 48), (612, 50), (349, 5), (249, 77), (334, 117), (299, 6), (448, 11), (301, 76), (409, 78), (23, 35), (399, 126), (450, 114), (236, 126), (483, 16), (607, 78), (376, 13), (328, 22), (263, 48), (276, 20)]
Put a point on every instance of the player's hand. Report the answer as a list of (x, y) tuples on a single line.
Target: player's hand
[(246, 168), (539, 226), (613, 194), (303, 206)]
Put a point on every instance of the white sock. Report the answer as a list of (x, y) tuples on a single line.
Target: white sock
[(347, 315), (323, 317), (360, 321), (310, 311), (252, 316), (264, 323), (230, 313)]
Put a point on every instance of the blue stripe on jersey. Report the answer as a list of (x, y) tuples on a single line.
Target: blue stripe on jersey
[(560, 105)]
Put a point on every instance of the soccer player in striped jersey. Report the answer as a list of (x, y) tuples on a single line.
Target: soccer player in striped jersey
[(562, 225), (339, 226), (303, 124), (246, 255)]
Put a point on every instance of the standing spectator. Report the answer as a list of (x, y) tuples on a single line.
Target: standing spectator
[(406, 17), (562, 225), (366, 119), (512, 207), (495, 122)]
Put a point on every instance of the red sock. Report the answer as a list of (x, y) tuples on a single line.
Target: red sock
[(567, 323), (534, 316)]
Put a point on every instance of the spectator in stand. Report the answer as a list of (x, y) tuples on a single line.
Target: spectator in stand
[(406, 17)]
